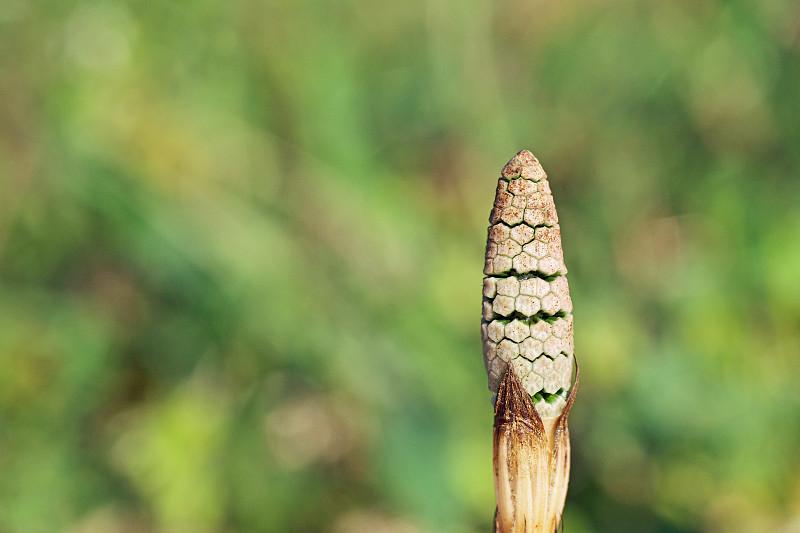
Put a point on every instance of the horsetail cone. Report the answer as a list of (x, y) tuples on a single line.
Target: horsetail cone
[(528, 349), (527, 310)]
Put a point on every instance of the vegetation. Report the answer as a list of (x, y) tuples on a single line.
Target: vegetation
[(240, 252), (528, 350)]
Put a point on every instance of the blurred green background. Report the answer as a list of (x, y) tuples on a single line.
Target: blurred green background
[(241, 248)]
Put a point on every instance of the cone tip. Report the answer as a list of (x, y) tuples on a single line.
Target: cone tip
[(524, 163)]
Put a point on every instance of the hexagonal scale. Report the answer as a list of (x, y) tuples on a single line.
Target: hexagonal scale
[(517, 331)]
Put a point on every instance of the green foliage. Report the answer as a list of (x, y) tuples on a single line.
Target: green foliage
[(241, 251)]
